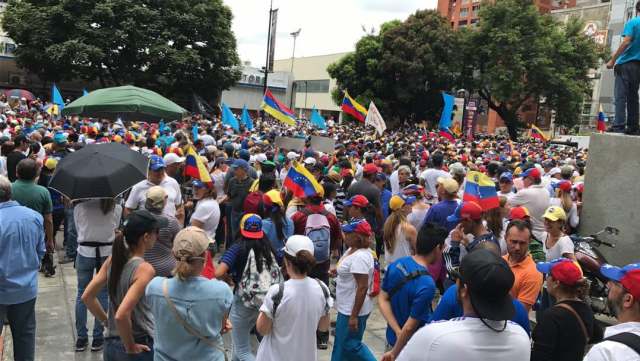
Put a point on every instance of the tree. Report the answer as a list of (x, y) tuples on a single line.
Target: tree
[(175, 47), (517, 56), (403, 68)]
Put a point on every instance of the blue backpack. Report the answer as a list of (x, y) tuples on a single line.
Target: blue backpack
[(318, 230)]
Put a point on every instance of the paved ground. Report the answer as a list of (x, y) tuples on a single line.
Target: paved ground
[(55, 319)]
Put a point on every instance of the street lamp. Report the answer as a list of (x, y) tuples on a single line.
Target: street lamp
[(293, 57)]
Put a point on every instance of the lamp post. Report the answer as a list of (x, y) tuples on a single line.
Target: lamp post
[(293, 58), (266, 64)]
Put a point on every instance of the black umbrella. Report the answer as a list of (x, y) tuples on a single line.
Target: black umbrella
[(99, 171)]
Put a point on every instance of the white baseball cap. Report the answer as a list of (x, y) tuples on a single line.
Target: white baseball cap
[(171, 158), (293, 155), (297, 243), (310, 161)]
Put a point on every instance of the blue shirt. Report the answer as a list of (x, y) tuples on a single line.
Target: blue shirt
[(202, 303), (271, 233), (439, 212), (450, 308), (413, 299), (385, 197), (632, 52), (21, 249)]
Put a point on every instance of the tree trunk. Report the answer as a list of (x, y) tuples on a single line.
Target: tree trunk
[(510, 119)]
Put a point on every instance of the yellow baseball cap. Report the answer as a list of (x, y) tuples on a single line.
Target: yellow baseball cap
[(555, 213)]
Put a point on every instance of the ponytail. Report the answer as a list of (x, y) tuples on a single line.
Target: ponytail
[(390, 228), (120, 254), (302, 263), (186, 269)]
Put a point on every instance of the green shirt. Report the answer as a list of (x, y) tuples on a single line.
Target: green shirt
[(32, 196)]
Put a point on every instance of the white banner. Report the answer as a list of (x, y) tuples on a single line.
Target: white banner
[(375, 119)]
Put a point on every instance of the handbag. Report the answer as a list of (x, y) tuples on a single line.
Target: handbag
[(187, 326)]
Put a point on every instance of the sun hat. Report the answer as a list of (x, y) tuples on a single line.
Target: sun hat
[(251, 226)]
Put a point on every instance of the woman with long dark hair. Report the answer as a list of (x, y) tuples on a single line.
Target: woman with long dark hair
[(126, 275), (275, 224), (250, 241)]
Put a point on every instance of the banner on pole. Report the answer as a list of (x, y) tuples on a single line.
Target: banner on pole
[(375, 119)]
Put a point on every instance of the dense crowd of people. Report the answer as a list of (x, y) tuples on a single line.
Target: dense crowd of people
[(174, 263)]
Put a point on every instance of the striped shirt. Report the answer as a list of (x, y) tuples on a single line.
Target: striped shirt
[(160, 256)]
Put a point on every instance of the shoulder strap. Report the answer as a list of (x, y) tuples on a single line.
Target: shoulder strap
[(190, 329), (407, 278), (325, 292), (582, 326), (628, 339), (277, 298)]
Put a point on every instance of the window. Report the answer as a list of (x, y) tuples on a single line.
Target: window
[(462, 23), (464, 12), (10, 48), (476, 8), (474, 21), (312, 86)]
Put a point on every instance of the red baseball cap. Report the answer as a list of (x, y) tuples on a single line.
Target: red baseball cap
[(360, 226), (564, 270), (521, 213), (532, 172), (628, 276), (564, 185), (358, 201), (370, 168), (466, 210)]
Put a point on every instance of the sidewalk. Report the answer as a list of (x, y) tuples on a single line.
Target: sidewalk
[(55, 323)]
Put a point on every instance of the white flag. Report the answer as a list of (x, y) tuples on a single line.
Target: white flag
[(375, 119)]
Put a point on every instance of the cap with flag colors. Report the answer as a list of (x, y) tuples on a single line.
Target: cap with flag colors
[(627, 276), (374, 118), (353, 108), (536, 133), (195, 168), (481, 189), (228, 118), (277, 109), (564, 270), (302, 183), (602, 126), (246, 119)]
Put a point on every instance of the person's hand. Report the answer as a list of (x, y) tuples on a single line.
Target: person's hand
[(188, 205), (457, 235), (353, 324), (226, 327), (51, 246), (388, 356), (137, 348), (611, 64), (333, 272)]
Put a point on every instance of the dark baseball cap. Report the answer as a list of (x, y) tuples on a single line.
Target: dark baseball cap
[(142, 221), (489, 280)]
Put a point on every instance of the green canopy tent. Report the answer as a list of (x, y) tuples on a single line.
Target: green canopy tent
[(128, 103)]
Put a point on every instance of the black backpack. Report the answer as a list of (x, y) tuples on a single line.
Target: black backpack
[(408, 276), (628, 339)]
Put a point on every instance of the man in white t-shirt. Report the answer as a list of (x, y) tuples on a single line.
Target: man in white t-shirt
[(431, 175), (485, 332), (535, 198), (157, 177), (622, 341)]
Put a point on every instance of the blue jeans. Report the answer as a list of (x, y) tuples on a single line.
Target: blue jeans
[(114, 351), (627, 83), (243, 319), (70, 235), (84, 270), (22, 321), (347, 345)]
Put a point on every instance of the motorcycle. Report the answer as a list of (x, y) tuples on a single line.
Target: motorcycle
[(591, 259)]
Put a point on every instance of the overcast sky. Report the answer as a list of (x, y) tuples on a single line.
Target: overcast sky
[(328, 26)]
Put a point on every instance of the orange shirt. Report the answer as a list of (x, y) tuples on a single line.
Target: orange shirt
[(528, 281)]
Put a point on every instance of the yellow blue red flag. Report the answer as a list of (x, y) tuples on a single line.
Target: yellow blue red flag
[(195, 168), (277, 109), (302, 183), (481, 189), (353, 108)]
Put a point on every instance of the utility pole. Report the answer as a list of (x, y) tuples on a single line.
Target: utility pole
[(293, 57), (266, 64)]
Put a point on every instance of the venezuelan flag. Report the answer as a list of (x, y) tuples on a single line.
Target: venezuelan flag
[(447, 134), (480, 188), (536, 133), (353, 108), (602, 126), (302, 183), (195, 168), (276, 109)]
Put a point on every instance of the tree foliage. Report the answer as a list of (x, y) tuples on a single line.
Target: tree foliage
[(175, 47), (518, 56), (403, 68)]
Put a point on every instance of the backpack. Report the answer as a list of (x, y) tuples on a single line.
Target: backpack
[(375, 284), (629, 339), (277, 298), (254, 285), (408, 277), (318, 230), (253, 203)]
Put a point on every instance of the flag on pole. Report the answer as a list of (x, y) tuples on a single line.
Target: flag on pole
[(195, 131), (375, 119), (56, 97), (481, 189), (317, 120), (602, 126), (536, 133), (195, 168), (246, 119), (277, 109), (85, 92), (353, 108), (300, 182), (446, 118), (446, 133), (228, 118), (52, 109)]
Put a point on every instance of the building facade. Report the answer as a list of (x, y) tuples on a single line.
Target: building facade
[(311, 84), (249, 90)]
